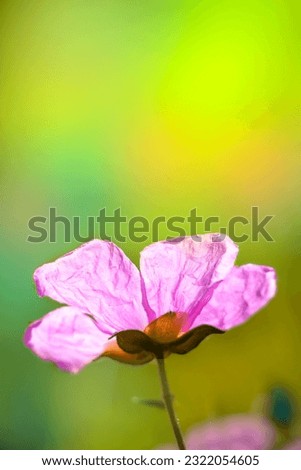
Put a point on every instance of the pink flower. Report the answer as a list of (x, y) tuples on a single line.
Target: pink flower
[(240, 432), (237, 432), (186, 289)]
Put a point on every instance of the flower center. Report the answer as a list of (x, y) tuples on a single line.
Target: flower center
[(162, 337), (166, 328)]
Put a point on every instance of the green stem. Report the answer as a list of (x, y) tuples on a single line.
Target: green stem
[(167, 397)]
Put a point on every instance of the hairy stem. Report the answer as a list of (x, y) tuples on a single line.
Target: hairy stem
[(167, 397)]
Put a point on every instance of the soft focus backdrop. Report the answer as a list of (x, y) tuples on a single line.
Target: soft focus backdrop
[(155, 107)]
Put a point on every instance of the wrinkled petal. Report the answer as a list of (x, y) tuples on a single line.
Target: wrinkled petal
[(179, 275), (99, 279), (240, 432), (67, 337), (245, 290)]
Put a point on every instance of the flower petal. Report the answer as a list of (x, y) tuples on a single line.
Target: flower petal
[(237, 432), (245, 290), (99, 279), (179, 275), (67, 337)]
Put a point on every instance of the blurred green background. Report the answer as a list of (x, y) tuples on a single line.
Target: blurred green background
[(155, 107)]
